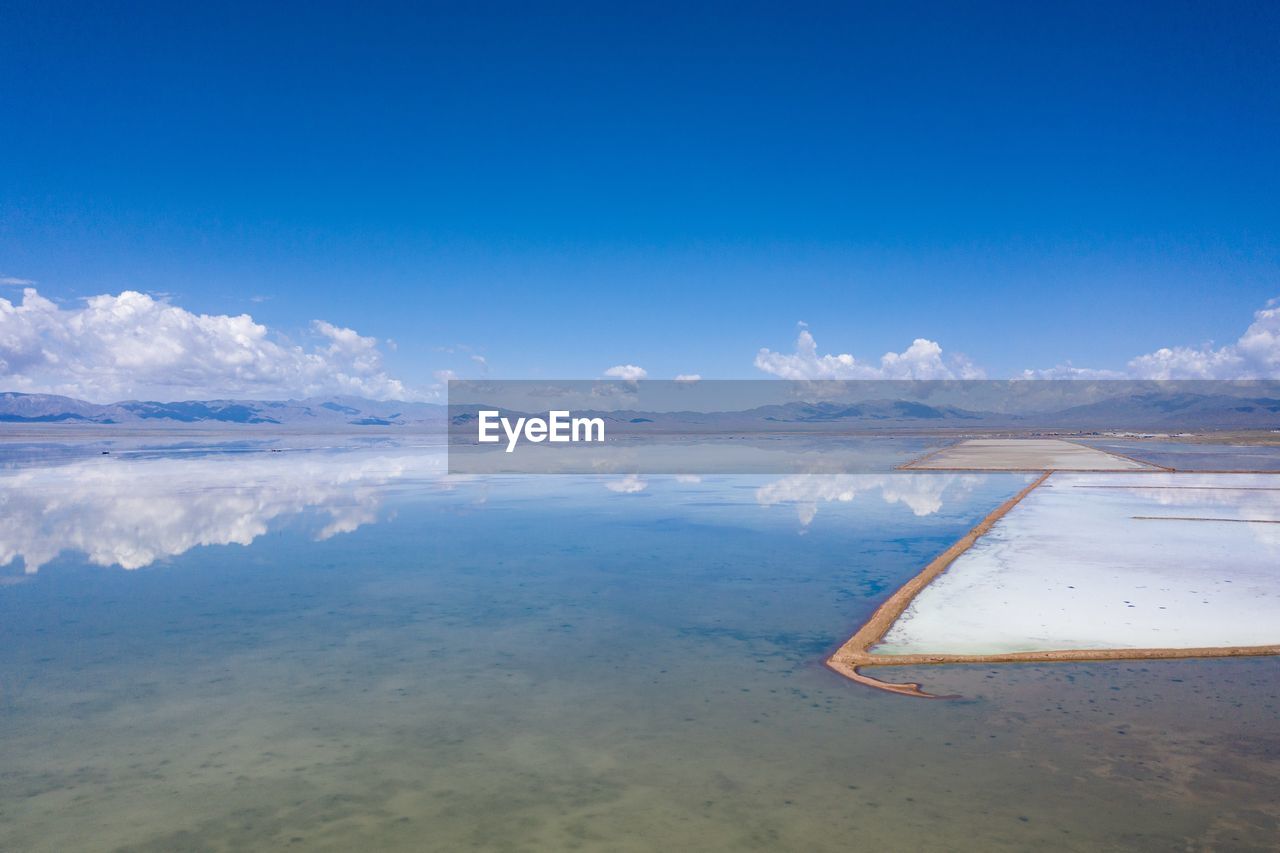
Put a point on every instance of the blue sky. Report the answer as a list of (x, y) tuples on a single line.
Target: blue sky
[(564, 188)]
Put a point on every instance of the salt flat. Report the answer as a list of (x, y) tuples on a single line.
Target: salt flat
[(1025, 454), (1111, 561)]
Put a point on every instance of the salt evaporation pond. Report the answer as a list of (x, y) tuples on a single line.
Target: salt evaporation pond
[(1111, 561)]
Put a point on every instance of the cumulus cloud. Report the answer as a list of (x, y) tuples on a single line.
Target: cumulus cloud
[(628, 485), (1255, 355), (689, 377), (922, 360), (629, 372), (135, 345)]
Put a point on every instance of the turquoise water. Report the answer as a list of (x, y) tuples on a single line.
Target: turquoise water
[(350, 650)]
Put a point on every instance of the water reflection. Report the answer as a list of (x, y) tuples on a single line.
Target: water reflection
[(132, 512), (923, 495), (1251, 499), (570, 667)]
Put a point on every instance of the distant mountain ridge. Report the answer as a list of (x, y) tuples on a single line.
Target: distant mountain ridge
[(1145, 411), (314, 411)]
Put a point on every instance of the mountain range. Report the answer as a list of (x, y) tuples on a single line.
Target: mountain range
[(320, 412), (1180, 411)]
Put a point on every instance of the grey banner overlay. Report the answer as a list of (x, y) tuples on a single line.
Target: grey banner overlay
[(830, 426)]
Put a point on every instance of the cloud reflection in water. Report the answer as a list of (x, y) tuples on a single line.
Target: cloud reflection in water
[(923, 495), (132, 512)]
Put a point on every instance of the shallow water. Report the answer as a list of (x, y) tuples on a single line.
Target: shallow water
[(351, 650)]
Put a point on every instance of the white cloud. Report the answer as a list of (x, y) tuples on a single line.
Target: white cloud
[(1070, 371), (629, 372), (922, 360), (133, 345), (689, 377), (1255, 355), (628, 485), (15, 282)]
